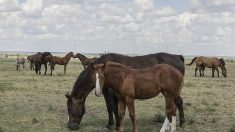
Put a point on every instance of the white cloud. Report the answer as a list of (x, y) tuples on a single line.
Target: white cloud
[(9, 5), (32, 7), (142, 25)]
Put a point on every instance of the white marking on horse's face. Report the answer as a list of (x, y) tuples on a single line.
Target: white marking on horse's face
[(97, 86)]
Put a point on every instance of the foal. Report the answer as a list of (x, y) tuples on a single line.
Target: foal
[(130, 84), (19, 61), (53, 60)]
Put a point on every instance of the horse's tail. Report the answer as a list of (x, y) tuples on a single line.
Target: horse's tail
[(192, 61)]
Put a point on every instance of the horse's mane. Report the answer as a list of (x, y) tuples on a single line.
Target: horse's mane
[(114, 64), (84, 76), (222, 61)]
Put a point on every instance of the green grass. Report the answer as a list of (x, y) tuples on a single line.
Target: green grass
[(30, 102)]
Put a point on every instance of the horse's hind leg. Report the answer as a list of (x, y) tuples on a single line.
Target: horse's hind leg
[(179, 103), (170, 121), (196, 71)]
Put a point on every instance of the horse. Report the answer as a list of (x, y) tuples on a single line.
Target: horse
[(130, 84), (30, 59), (85, 84), (214, 63), (39, 59), (85, 61), (20, 60), (53, 60)]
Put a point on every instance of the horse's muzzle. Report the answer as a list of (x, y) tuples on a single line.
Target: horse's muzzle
[(73, 126)]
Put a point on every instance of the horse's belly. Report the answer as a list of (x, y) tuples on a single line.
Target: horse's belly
[(146, 93)]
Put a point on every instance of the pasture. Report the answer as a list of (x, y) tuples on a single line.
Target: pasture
[(30, 102)]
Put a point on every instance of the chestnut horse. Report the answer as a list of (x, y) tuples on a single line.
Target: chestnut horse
[(214, 63), (20, 60), (85, 84), (130, 84), (53, 60), (85, 61)]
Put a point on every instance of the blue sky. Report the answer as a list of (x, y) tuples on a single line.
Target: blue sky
[(188, 27)]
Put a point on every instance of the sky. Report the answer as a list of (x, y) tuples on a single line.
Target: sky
[(188, 27)]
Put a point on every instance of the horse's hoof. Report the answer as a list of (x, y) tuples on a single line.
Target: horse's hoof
[(109, 126), (117, 128), (181, 125)]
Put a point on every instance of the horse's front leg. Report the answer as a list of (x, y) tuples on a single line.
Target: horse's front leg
[(65, 69), (131, 108), (213, 72), (45, 64), (108, 101), (122, 110), (217, 71)]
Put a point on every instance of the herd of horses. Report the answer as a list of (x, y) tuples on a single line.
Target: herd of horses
[(121, 79), (47, 59)]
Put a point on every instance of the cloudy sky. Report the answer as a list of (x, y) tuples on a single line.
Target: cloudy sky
[(188, 27)]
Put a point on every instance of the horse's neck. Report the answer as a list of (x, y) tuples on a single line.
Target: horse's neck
[(222, 67), (113, 77), (68, 57), (82, 58)]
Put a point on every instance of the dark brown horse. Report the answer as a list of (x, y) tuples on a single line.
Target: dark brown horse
[(39, 59), (20, 61), (85, 61), (130, 84), (53, 60), (30, 59), (214, 63), (85, 84)]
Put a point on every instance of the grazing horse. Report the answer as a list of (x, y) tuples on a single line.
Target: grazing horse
[(53, 60), (214, 63), (39, 59), (85, 61), (30, 59), (130, 84), (20, 60), (85, 84)]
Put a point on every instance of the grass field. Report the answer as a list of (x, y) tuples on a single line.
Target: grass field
[(30, 102)]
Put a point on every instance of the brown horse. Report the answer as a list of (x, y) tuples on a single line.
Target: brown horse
[(85, 61), (39, 59), (30, 59), (20, 60), (130, 84), (85, 84), (214, 63), (53, 60)]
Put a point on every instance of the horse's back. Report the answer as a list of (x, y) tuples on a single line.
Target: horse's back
[(146, 61)]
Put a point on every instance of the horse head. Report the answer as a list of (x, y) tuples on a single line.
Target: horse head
[(224, 71)]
